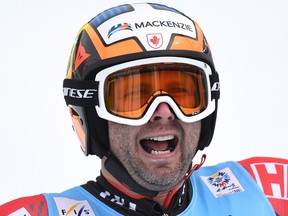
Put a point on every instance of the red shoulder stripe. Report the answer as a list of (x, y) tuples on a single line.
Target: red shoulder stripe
[(34, 205)]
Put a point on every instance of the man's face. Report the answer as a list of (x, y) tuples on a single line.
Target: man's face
[(158, 154)]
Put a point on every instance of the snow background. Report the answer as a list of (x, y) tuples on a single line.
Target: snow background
[(40, 152)]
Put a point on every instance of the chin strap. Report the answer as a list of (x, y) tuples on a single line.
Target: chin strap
[(188, 174), (195, 167), (115, 168)]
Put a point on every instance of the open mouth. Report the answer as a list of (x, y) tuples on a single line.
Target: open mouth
[(159, 145)]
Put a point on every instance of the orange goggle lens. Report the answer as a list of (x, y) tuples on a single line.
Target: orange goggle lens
[(129, 92)]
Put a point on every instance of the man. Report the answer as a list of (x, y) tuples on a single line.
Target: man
[(142, 91)]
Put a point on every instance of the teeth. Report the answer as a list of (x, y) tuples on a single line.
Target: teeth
[(162, 138), (160, 152)]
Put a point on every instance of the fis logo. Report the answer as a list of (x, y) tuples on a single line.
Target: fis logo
[(70, 207), (119, 27)]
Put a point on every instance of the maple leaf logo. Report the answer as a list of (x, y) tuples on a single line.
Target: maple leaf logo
[(155, 40)]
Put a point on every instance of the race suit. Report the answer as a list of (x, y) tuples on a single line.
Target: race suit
[(226, 189)]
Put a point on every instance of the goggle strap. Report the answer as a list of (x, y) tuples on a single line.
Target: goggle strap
[(215, 86), (81, 92)]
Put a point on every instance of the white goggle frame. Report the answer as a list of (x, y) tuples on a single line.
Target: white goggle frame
[(102, 75)]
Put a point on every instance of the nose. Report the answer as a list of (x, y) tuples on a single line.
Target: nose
[(163, 114)]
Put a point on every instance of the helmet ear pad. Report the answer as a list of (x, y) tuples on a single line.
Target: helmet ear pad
[(78, 127), (98, 136), (207, 129)]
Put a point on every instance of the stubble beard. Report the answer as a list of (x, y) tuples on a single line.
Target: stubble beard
[(160, 179)]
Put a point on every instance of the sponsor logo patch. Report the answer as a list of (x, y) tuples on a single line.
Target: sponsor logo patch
[(81, 55), (71, 207), (271, 174), (119, 27), (223, 183), (78, 93), (20, 212)]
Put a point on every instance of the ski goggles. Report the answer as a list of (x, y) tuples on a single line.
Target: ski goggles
[(129, 93)]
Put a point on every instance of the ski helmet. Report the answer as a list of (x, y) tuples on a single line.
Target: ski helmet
[(124, 37)]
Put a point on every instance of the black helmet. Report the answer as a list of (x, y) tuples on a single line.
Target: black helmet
[(129, 35)]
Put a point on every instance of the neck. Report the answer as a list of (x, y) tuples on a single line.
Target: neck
[(163, 198)]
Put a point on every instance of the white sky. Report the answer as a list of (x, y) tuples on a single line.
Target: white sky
[(40, 152)]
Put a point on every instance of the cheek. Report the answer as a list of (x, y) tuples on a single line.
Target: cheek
[(192, 134), (120, 136), (114, 136)]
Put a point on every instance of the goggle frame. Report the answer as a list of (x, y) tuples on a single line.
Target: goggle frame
[(103, 112)]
